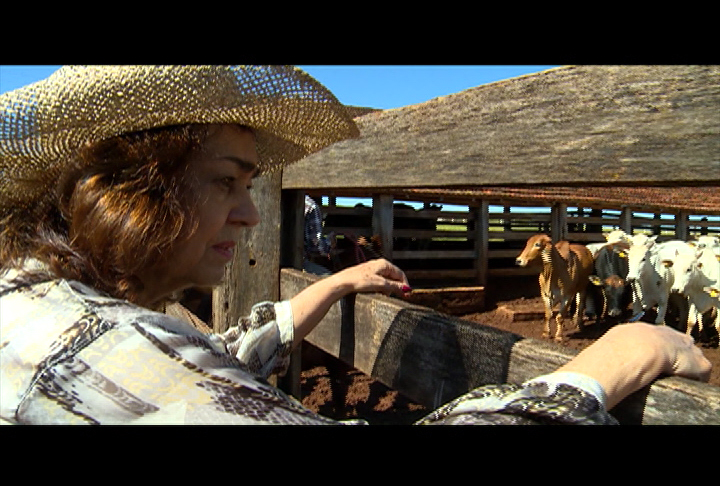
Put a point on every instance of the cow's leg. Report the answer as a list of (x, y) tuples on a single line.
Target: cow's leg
[(559, 318), (662, 308), (547, 301), (692, 319), (579, 310), (638, 304)]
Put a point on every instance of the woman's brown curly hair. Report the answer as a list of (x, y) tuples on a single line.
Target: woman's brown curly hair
[(120, 208)]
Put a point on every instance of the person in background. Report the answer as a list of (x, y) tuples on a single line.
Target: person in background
[(317, 245)]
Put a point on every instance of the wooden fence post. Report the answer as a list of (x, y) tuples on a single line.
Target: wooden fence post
[(626, 220), (558, 225), (382, 222), (681, 225), (292, 254), (481, 214)]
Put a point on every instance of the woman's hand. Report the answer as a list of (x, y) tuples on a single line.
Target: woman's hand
[(311, 305), (374, 276), (630, 356)]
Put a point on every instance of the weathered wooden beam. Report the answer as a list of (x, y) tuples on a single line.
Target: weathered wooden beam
[(681, 225), (413, 275), (433, 254), (382, 222), (589, 124), (482, 226), (558, 226), (293, 228), (432, 358), (256, 261), (626, 220)]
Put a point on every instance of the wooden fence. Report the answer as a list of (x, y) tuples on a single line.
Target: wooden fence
[(475, 243), (432, 358)]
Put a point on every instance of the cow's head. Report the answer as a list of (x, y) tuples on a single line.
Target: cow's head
[(686, 268), (638, 257), (533, 248)]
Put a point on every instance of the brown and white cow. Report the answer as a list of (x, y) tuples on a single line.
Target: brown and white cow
[(566, 271)]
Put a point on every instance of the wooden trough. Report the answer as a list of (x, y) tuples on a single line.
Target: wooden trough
[(522, 313), (450, 300)]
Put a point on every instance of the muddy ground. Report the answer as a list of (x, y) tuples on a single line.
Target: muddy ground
[(378, 404)]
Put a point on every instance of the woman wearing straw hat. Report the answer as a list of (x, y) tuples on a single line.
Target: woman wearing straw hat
[(122, 185)]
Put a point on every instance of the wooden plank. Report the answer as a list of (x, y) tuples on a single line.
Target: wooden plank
[(558, 227), (432, 358), (292, 229), (585, 237), (450, 300), (512, 271), (413, 275), (503, 253), (681, 225), (348, 230), (592, 219), (292, 254), (513, 235), (430, 254), (382, 222), (626, 220), (481, 215)]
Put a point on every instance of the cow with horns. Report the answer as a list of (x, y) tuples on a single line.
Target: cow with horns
[(566, 269)]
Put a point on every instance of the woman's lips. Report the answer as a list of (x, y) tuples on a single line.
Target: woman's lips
[(225, 249)]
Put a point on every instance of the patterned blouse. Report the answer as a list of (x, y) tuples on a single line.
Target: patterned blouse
[(71, 355)]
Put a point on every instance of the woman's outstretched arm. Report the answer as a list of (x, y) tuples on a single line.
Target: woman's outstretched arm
[(630, 356), (311, 305)]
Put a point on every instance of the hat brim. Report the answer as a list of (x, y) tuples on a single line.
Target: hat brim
[(43, 124)]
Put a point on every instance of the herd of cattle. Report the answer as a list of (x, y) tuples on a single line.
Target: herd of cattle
[(637, 269)]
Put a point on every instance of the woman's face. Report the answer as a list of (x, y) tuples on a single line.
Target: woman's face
[(219, 177)]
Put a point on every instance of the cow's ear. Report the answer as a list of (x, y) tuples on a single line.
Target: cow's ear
[(713, 291), (595, 280)]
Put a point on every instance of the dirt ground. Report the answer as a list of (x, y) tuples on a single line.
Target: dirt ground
[(371, 400)]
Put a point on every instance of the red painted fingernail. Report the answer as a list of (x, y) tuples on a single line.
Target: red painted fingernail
[(406, 288)]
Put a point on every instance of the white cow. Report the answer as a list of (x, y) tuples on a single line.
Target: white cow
[(650, 276), (697, 276), (711, 242), (612, 238)]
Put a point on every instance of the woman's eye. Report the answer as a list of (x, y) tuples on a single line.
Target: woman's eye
[(228, 182)]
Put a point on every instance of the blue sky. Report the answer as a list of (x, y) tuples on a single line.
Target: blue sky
[(382, 87)]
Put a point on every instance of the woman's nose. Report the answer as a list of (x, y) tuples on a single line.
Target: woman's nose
[(245, 213)]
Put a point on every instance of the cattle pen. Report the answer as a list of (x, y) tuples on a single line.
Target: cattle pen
[(629, 147)]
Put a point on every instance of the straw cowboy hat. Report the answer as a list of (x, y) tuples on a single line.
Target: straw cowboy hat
[(44, 123)]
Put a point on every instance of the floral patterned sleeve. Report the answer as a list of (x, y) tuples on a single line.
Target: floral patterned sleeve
[(70, 355), (263, 340), (549, 399)]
